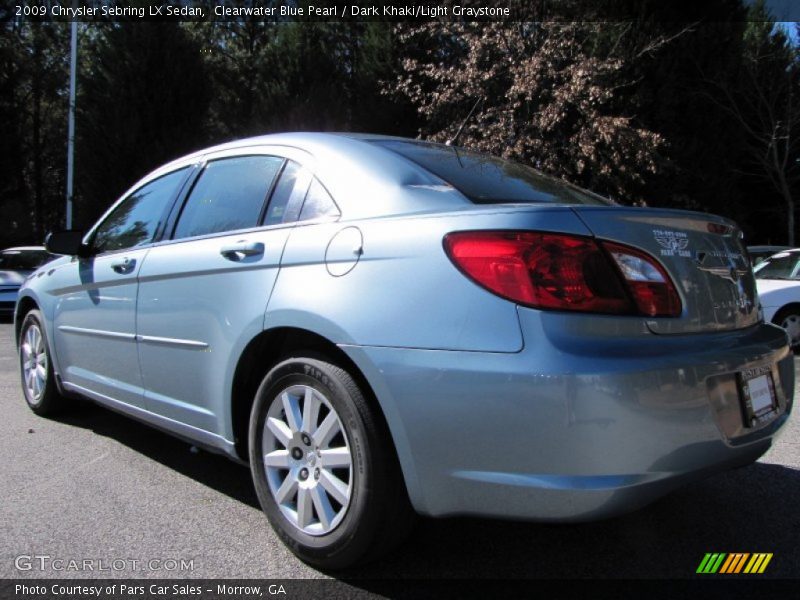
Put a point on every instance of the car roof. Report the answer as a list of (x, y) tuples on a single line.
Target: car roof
[(24, 248), (768, 247), (355, 171), (303, 140)]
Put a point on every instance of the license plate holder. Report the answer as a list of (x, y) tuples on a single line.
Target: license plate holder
[(758, 396)]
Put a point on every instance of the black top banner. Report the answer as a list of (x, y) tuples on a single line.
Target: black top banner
[(374, 10)]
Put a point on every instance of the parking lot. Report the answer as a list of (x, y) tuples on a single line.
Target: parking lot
[(95, 485)]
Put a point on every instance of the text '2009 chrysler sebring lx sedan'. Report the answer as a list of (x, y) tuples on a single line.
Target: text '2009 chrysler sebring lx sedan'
[(383, 326)]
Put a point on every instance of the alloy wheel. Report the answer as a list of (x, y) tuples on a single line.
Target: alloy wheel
[(307, 460), (34, 363)]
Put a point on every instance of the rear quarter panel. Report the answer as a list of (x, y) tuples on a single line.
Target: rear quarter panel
[(403, 291)]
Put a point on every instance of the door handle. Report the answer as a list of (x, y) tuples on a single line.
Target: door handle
[(124, 266), (241, 249)]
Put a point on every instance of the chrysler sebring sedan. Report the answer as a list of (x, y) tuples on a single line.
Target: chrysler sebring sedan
[(384, 326)]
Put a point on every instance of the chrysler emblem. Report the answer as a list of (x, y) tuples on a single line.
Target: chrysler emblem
[(731, 274)]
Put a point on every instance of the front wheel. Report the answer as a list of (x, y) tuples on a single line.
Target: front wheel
[(323, 466), (36, 368)]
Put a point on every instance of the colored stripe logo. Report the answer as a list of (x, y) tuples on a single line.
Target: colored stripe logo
[(734, 562)]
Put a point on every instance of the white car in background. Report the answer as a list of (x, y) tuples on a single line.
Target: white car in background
[(778, 283)]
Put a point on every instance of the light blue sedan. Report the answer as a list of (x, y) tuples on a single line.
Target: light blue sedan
[(384, 326)]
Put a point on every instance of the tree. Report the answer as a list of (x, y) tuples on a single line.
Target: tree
[(668, 52), (272, 75), (13, 194), (241, 60), (332, 74), (766, 107), (545, 99), (32, 126), (143, 99)]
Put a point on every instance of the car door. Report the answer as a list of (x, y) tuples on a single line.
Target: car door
[(95, 314), (203, 293)]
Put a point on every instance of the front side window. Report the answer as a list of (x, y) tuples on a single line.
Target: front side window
[(229, 195), (134, 221)]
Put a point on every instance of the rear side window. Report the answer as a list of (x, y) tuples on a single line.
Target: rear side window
[(286, 187), (299, 196), (134, 221), (318, 203), (229, 195), (486, 179)]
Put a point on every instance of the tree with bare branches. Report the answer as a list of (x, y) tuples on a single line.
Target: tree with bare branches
[(545, 99), (766, 107)]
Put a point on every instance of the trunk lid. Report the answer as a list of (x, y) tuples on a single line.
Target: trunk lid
[(702, 253)]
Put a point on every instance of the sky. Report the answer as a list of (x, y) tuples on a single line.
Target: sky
[(791, 30), (782, 10)]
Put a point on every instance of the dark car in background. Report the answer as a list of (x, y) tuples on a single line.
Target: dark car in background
[(15, 265)]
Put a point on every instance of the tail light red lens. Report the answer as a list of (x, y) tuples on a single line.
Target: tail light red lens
[(564, 272), (648, 282)]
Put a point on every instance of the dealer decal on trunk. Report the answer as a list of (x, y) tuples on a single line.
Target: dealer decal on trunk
[(673, 243)]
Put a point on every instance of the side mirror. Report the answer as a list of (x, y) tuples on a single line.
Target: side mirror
[(66, 242)]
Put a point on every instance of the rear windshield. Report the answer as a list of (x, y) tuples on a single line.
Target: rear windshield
[(487, 179)]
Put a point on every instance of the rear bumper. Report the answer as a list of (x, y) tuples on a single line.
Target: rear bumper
[(568, 428)]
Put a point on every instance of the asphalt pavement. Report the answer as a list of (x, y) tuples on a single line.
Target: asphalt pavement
[(97, 486)]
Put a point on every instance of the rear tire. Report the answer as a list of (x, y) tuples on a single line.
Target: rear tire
[(323, 466), (36, 367)]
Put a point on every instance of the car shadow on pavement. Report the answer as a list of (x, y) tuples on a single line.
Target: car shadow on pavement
[(212, 470), (752, 509), (746, 510)]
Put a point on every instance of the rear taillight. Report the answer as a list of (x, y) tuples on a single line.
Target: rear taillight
[(564, 272), (647, 281)]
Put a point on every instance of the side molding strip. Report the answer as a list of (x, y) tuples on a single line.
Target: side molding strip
[(151, 339), (146, 339), (98, 333)]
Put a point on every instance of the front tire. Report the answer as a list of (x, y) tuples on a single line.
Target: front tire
[(323, 466), (36, 367)]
